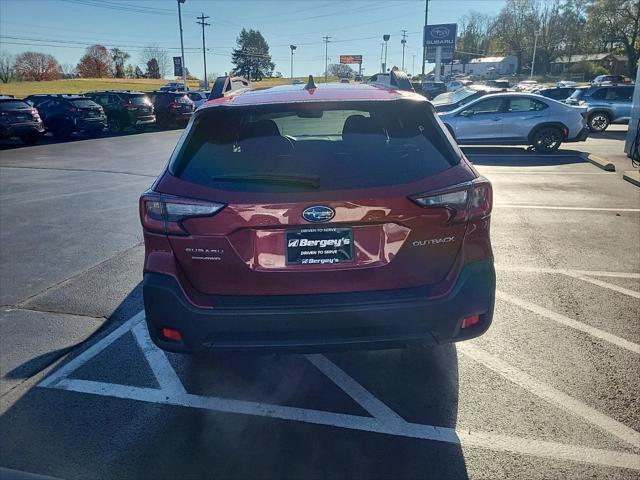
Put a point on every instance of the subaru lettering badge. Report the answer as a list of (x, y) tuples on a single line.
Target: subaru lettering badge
[(318, 213)]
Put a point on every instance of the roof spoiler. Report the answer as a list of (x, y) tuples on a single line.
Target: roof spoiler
[(228, 85), (395, 79)]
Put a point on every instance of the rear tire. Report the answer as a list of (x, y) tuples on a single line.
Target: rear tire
[(547, 139), (114, 126), (598, 121)]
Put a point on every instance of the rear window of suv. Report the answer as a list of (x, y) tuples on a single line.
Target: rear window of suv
[(13, 105), (83, 103), (291, 148), (138, 100)]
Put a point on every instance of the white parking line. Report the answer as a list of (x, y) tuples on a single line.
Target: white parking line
[(560, 207), (385, 421), (551, 395), (356, 391), (157, 360), (462, 436), (608, 285), (566, 271), (569, 322), (545, 172)]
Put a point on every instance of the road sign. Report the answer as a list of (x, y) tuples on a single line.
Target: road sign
[(442, 35), (348, 59), (177, 66)]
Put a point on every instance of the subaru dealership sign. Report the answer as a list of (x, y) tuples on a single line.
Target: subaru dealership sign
[(443, 35)]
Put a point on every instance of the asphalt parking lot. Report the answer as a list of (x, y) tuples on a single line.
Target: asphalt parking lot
[(550, 391)]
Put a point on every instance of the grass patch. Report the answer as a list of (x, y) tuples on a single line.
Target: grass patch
[(78, 85)]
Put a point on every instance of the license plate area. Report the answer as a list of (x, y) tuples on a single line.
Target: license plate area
[(319, 246)]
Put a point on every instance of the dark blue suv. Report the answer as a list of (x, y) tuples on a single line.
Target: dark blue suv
[(606, 104), (65, 114)]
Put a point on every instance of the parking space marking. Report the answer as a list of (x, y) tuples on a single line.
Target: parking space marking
[(569, 322), (168, 394), (551, 394), (608, 285), (356, 391), (545, 172), (561, 207), (566, 271), (461, 436), (157, 360)]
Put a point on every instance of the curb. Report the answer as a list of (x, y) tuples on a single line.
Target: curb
[(632, 176), (598, 162)]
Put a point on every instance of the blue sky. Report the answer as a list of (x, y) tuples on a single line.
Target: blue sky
[(64, 27)]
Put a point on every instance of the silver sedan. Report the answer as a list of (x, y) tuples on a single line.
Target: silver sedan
[(517, 119)]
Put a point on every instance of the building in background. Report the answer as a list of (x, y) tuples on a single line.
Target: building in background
[(492, 67), (615, 64)]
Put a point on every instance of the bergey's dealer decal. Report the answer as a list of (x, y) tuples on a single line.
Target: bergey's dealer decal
[(319, 246)]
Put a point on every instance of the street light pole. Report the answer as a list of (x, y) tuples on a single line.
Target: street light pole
[(382, 57), (326, 59), (404, 42), (202, 22), (413, 65), (292, 47), (426, 21), (535, 47), (184, 68)]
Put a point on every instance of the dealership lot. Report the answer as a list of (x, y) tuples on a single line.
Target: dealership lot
[(551, 391)]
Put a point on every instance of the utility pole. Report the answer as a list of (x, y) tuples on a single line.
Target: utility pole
[(326, 58), (413, 65), (403, 42), (386, 38), (535, 47), (292, 47), (202, 22), (184, 68), (426, 21), (382, 57)]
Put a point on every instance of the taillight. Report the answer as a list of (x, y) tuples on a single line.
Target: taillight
[(162, 213), (465, 201), (174, 105), (129, 105)]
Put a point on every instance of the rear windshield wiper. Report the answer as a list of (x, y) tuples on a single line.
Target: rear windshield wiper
[(291, 180)]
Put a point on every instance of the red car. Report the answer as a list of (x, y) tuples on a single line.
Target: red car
[(310, 218)]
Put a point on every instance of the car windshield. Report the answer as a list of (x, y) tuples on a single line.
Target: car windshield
[(365, 145), (13, 105)]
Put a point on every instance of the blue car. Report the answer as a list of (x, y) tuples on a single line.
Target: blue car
[(606, 104)]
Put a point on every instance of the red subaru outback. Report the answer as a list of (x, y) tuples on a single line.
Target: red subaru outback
[(303, 218)]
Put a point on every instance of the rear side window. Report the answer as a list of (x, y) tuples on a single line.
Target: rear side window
[(13, 105), (83, 103), (320, 146)]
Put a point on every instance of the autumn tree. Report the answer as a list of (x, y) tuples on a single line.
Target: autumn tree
[(95, 63), (6, 67), (34, 66), (119, 57)]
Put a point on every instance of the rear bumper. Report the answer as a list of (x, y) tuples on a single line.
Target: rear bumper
[(145, 120), (91, 124), (383, 319), (581, 137), (22, 129)]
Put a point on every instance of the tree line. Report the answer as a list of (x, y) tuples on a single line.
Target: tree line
[(97, 62), (562, 27)]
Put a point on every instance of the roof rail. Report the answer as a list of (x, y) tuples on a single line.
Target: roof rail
[(228, 85), (395, 79)]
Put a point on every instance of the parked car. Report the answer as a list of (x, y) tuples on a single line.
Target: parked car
[(566, 83), (605, 104), (293, 222), (198, 97), (173, 87), (527, 86), (21, 120), (517, 119), (448, 101), (432, 89), (297, 81), (172, 108), (358, 78), (345, 80), (556, 93), (501, 83), (64, 115), (609, 79), (125, 108), (454, 85)]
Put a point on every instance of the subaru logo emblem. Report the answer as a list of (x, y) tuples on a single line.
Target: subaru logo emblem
[(318, 213), (440, 32)]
